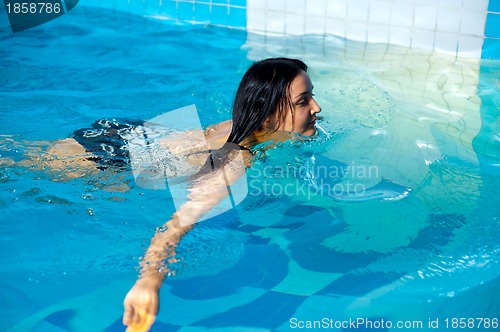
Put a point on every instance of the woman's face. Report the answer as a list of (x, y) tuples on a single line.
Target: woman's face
[(303, 107)]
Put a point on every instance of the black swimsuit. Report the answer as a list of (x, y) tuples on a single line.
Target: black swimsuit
[(107, 141)]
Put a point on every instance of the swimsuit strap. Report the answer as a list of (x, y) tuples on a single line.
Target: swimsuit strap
[(245, 148)]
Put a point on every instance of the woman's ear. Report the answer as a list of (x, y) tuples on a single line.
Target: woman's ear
[(268, 122)]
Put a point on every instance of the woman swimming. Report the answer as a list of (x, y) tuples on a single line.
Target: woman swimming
[(274, 102)]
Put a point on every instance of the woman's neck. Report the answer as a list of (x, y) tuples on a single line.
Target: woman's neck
[(259, 137), (219, 133)]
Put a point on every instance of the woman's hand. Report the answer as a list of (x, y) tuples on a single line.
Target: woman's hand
[(141, 305)]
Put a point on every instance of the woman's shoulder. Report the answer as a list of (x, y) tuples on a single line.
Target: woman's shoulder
[(219, 132)]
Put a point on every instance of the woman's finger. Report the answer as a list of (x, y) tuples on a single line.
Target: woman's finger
[(128, 314), (142, 323)]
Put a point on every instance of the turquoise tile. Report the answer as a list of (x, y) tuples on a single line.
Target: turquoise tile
[(151, 6), (169, 8), (242, 3), (220, 15), (494, 6), (202, 12), (220, 2), (136, 7), (123, 6), (492, 25), (491, 49), (185, 11), (238, 17)]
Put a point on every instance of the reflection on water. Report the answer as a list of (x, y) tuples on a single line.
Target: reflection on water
[(413, 115)]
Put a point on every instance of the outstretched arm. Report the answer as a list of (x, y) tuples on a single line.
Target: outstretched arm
[(142, 301)]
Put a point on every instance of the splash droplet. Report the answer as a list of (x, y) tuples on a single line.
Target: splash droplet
[(88, 197)]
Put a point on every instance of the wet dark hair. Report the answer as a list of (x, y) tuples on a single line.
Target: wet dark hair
[(264, 90)]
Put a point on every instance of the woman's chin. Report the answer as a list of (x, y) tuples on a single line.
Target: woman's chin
[(309, 131)]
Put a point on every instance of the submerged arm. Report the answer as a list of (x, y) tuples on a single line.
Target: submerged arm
[(142, 302)]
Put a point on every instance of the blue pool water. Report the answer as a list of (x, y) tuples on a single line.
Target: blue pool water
[(417, 131)]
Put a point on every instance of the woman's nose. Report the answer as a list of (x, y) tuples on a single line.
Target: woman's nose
[(315, 107)]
